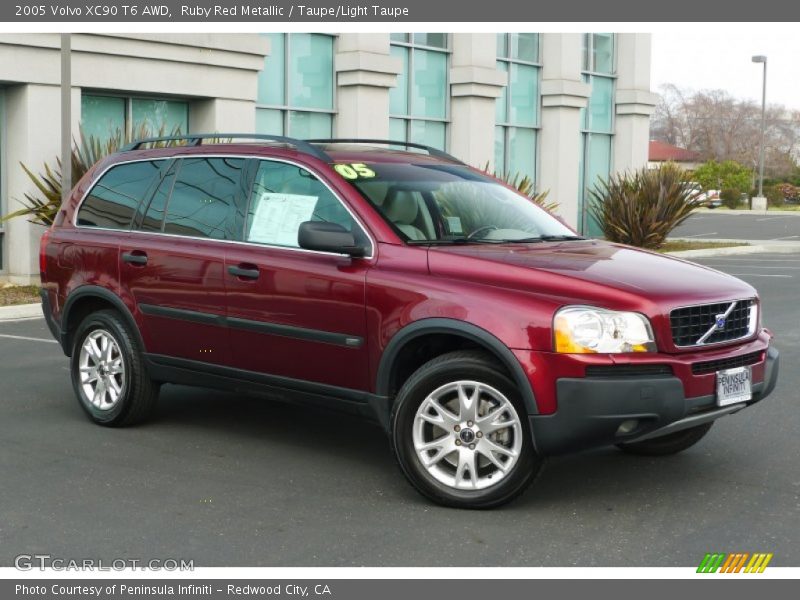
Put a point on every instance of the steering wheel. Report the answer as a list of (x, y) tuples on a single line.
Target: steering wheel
[(485, 228)]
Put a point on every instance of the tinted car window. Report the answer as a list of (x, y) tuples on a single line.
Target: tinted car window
[(154, 218), (285, 195), (115, 197), (203, 199)]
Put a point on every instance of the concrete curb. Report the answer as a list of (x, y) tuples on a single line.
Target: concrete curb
[(754, 247), (738, 212), (20, 311)]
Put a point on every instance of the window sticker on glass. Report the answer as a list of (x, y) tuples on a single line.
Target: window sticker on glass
[(454, 225), (354, 171), (277, 217)]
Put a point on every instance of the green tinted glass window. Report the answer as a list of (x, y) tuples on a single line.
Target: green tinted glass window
[(272, 78), (436, 40), (269, 121), (311, 71), (430, 133), (159, 116), (524, 84), (429, 86), (310, 124), (398, 95), (102, 117)]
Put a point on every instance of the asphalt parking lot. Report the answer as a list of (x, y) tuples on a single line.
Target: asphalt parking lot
[(722, 225), (238, 481)]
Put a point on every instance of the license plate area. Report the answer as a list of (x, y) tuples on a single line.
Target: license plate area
[(734, 386)]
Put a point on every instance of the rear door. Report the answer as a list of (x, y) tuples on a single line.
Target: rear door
[(173, 263), (296, 313), (88, 254)]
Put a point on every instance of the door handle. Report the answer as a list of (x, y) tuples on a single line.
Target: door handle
[(135, 257), (244, 271)]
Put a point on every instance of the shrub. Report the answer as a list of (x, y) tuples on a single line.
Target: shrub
[(774, 195), (730, 197), (42, 209), (525, 186), (642, 207)]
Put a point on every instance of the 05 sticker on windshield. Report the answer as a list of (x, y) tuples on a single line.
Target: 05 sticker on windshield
[(354, 171)]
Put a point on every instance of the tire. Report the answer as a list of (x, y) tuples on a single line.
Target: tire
[(672, 443), (106, 354), (499, 449)]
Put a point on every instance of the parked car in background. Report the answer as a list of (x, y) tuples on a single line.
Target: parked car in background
[(708, 199)]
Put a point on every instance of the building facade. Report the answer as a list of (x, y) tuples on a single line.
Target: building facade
[(561, 109)]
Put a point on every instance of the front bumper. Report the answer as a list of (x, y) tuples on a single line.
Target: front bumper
[(591, 409)]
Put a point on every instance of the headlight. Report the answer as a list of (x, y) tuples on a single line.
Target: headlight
[(585, 329)]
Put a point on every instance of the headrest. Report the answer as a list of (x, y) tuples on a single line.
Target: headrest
[(401, 207)]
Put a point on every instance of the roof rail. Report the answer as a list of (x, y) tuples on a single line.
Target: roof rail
[(430, 150), (196, 139)]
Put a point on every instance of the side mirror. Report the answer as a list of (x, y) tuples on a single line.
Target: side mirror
[(328, 237)]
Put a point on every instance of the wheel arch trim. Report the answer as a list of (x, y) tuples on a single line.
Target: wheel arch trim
[(94, 291), (463, 329)]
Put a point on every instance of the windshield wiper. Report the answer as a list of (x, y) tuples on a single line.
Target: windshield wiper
[(455, 241), (547, 238)]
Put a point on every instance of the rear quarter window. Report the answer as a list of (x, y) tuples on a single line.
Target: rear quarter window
[(113, 200)]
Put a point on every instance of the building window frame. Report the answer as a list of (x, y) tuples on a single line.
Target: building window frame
[(287, 108), (410, 45), (128, 99), (507, 125), (588, 131)]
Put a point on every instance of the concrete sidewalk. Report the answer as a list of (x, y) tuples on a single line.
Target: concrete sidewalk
[(20, 311)]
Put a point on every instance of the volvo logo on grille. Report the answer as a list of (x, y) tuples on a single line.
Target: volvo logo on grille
[(719, 322)]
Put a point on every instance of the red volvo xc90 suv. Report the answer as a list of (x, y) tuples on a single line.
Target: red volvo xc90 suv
[(477, 329)]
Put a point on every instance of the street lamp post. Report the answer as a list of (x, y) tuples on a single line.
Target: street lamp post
[(762, 59)]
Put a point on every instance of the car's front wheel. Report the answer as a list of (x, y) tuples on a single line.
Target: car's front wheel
[(460, 435), (108, 375)]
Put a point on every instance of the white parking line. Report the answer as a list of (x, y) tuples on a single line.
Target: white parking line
[(788, 237), (768, 219), (757, 266), (759, 275), (701, 234), (29, 339)]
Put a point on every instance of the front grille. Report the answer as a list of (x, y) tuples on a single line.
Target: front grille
[(627, 370), (690, 324), (712, 366)]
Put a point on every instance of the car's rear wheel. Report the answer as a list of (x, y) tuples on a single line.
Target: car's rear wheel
[(460, 435), (108, 374), (671, 443)]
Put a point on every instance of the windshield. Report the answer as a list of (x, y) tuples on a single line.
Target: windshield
[(438, 203)]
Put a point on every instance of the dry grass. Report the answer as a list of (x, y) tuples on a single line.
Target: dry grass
[(18, 294), (678, 245)]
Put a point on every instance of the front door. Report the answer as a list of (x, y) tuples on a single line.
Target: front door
[(296, 313)]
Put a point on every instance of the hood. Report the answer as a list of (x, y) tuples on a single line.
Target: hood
[(658, 278)]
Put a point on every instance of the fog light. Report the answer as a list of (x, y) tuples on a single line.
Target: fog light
[(627, 426)]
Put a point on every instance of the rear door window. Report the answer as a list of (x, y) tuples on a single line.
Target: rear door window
[(113, 200), (199, 199)]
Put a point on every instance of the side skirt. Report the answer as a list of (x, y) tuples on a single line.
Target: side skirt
[(168, 369)]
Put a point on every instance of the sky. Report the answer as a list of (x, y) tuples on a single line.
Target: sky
[(722, 60)]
